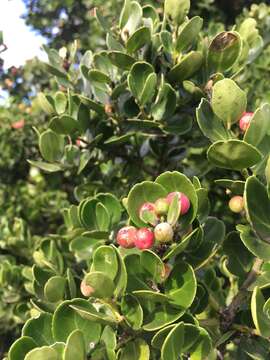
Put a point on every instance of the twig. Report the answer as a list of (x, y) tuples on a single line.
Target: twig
[(229, 313)]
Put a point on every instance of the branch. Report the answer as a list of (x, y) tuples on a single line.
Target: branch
[(229, 313)]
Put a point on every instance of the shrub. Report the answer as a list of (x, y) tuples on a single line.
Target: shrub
[(154, 117)]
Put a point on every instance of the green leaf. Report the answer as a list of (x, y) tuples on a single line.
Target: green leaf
[(239, 259), (105, 260), (151, 296), (181, 285), (177, 10), (149, 89), (137, 80), (131, 16), (51, 146), (46, 103), (160, 336), (233, 154), (175, 181), (236, 186), (98, 76), (66, 320), (121, 278), (152, 266), (132, 311), (135, 350), (209, 123), (257, 205), (101, 283), (54, 289), (138, 39), (75, 346), (173, 343), (224, 50), (141, 193), (188, 33), (165, 103), (202, 347), (121, 60), (102, 217), (45, 166), (253, 243), (176, 249), (21, 347), (261, 322), (186, 67), (63, 125), (259, 125), (43, 353), (39, 329), (112, 205), (60, 101), (174, 211), (228, 101), (160, 316), (91, 314), (213, 236)]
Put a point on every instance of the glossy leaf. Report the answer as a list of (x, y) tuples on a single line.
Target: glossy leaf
[(186, 67), (228, 101), (233, 154)]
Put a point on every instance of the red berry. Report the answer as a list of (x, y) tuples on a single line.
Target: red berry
[(18, 124), (162, 206), (126, 237), (184, 201), (148, 206), (86, 290), (236, 204), (244, 121), (163, 232), (144, 239)]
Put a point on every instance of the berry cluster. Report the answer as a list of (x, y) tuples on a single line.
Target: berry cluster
[(144, 238)]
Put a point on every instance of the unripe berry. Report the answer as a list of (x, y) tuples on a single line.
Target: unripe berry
[(86, 290), (184, 201), (162, 206), (244, 121), (163, 232), (148, 206), (126, 237), (236, 204), (145, 238)]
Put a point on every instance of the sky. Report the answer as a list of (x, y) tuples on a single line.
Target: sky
[(22, 43)]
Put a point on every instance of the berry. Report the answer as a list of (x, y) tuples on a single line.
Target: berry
[(236, 204), (126, 237), (244, 121), (162, 206), (163, 232), (184, 201), (148, 206), (144, 239), (86, 290), (18, 124)]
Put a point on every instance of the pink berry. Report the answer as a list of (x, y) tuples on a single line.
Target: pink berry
[(144, 239), (244, 121), (86, 290), (163, 232), (236, 204), (18, 124), (148, 206), (126, 237), (184, 200)]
